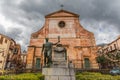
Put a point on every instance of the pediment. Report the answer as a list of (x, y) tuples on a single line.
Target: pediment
[(62, 13)]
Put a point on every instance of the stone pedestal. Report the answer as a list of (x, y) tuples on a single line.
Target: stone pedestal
[(58, 73)]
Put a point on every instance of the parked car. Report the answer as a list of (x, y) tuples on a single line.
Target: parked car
[(115, 71)]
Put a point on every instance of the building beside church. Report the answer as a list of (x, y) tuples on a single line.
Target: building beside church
[(24, 57), (111, 52), (79, 42), (8, 50)]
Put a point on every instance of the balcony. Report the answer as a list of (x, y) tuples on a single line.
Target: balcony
[(15, 51), (11, 47)]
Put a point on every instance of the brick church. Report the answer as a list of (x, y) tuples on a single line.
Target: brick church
[(79, 42)]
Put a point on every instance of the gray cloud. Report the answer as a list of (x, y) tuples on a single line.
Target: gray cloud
[(98, 16), (14, 33), (2, 29), (29, 10), (18, 34)]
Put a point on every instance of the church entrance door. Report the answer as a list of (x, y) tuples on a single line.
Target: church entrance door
[(87, 63), (37, 63)]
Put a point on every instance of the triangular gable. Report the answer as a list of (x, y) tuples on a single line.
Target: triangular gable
[(62, 13)]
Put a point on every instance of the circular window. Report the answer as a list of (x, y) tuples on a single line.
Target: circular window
[(61, 24)]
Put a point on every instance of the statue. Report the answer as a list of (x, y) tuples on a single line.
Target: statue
[(47, 48)]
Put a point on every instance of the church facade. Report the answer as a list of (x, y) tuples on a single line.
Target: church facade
[(79, 42)]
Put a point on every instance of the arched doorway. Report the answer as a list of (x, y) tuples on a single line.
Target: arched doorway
[(86, 63)]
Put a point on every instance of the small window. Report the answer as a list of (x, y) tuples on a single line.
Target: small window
[(115, 46), (0, 61), (108, 48), (11, 43), (111, 47), (5, 40), (1, 41)]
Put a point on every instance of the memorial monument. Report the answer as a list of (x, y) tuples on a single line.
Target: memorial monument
[(61, 68)]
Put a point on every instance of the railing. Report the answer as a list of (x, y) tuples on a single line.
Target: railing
[(6, 72), (103, 71)]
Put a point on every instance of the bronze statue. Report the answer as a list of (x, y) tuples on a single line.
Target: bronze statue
[(47, 48)]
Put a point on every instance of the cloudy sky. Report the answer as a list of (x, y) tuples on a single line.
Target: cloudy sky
[(20, 18)]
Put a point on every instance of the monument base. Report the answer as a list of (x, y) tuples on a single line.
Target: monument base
[(58, 73)]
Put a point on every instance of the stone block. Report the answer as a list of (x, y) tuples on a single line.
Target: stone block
[(66, 78), (59, 78), (58, 64), (58, 71), (51, 78)]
